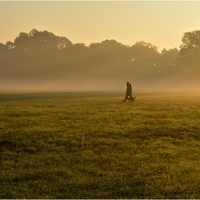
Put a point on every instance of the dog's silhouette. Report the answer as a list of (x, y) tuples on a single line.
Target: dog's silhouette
[(132, 99)]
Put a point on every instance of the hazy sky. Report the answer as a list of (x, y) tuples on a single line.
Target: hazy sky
[(161, 23)]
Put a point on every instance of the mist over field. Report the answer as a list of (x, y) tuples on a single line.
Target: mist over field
[(42, 61)]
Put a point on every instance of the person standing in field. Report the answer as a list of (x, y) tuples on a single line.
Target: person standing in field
[(128, 92)]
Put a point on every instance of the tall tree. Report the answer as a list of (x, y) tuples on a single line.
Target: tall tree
[(190, 47), (167, 61)]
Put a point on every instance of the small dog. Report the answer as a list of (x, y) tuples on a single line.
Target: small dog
[(132, 99)]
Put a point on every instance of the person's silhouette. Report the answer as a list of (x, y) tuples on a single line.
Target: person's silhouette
[(128, 91)]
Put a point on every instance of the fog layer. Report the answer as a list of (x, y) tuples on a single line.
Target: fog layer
[(42, 61)]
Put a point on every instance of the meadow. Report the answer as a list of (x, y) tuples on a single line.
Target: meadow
[(90, 145)]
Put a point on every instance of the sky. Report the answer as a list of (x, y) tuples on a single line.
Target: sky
[(161, 23)]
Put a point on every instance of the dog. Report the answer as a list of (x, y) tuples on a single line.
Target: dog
[(132, 99)]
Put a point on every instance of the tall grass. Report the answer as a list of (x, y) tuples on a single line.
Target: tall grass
[(60, 146)]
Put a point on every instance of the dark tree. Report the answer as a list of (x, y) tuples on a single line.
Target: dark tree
[(10, 45), (2, 47), (190, 48), (167, 61)]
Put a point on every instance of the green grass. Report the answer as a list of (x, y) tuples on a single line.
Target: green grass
[(68, 146)]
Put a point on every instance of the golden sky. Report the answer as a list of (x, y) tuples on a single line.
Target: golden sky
[(161, 23)]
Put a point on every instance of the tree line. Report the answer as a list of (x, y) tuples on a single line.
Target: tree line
[(41, 55)]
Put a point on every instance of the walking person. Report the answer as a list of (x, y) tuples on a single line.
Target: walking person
[(128, 92)]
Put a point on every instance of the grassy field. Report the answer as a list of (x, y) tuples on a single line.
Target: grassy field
[(95, 146)]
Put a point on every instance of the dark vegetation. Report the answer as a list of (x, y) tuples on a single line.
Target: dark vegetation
[(40, 56)]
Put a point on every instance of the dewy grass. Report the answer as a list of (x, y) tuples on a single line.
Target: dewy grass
[(99, 147)]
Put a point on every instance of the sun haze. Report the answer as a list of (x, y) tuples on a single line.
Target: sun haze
[(157, 22)]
